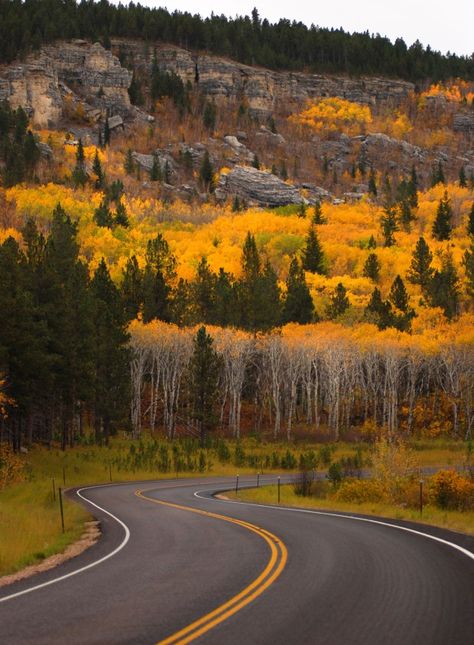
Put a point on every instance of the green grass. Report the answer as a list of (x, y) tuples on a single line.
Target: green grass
[(30, 527), (453, 520)]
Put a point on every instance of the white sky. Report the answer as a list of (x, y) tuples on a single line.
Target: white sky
[(445, 25)]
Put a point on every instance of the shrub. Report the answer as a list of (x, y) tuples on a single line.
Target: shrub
[(303, 483), (12, 469), (360, 491), (449, 490)]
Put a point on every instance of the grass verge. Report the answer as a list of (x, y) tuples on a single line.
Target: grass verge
[(453, 520)]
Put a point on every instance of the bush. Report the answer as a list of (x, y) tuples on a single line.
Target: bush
[(303, 483), (449, 490), (360, 491), (12, 469)]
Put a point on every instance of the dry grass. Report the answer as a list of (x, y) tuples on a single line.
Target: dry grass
[(453, 520)]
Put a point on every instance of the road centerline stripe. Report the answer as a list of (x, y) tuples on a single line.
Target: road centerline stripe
[(265, 579)]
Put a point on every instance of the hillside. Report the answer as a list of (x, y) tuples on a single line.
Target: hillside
[(152, 182)]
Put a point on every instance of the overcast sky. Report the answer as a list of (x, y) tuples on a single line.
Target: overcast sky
[(445, 25)]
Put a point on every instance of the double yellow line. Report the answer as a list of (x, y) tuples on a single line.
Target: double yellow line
[(274, 567)]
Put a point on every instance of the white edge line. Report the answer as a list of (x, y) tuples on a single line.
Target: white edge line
[(464, 551), (88, 566)]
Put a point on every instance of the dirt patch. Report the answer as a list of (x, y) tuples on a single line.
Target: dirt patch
[(88, 538), (220, 496)]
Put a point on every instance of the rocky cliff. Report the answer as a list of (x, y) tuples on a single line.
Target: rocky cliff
[(63, 76), (263, 90)]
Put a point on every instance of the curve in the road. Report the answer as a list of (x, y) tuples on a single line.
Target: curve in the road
[(267, 577)]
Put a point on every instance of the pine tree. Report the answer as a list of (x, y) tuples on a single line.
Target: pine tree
[(283, 171), (318, 217), (256, 162), (406, 216), (209, 116), (225, 310), (121, 217), (236, 205), (437, 175), (203, 293), (131, 288), (413, 188), (468, 263), (250, 258), (103, 216), (157, 278), (203, 380), (470, 221), (462, 178), (313, 256), (181, 304), (106, 132), (403, 314), (167, 172), (129, 164), (97, 170), (371, 244), (372, 183), (421, 271), (267, 300), (444, 288), (388, 222), (111, 380), (371, 268), (442, 226), (378, 310), (155, 172), (302, 210), (206, 173), (79, 175), (298, 305), (339, 302)]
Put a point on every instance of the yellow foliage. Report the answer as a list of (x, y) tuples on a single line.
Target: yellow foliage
[(450, 490), (334, 113), (12, 469)]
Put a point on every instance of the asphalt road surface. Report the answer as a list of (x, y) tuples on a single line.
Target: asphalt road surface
[(230, 574)]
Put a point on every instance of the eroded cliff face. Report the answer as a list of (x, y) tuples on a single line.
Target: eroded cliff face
[(63, 75), (263, 90)]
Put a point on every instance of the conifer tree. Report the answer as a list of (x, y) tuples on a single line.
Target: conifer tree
[(206, 173), (406, 215), (339, 302), (313, 256), (131, 288), (442, 225), (318, 217), (399, 299), (79, 175), (470, 221), (203, 379), (111, 390), (103, 216), (378, 310), (444, 288), (97, 170), (181, 304), (462, 177), (283, 171), (209, 116), (256, 162), (372, 183), (437, 175), (121, 217), (129, 164), (371, 244), (298, 305), (413, 188), (468, 262), (203, 293), (106, 132), (421, 271), (225, 311), (155, 172), (388, 222), (372, 268)]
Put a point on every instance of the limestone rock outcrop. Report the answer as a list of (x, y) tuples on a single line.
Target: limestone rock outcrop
[(264, 189), (64, 75), (262, 90)]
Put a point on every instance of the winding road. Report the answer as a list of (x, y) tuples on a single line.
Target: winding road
[(176, 565)]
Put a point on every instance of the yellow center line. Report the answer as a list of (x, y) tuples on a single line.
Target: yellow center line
[(267, 577)]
